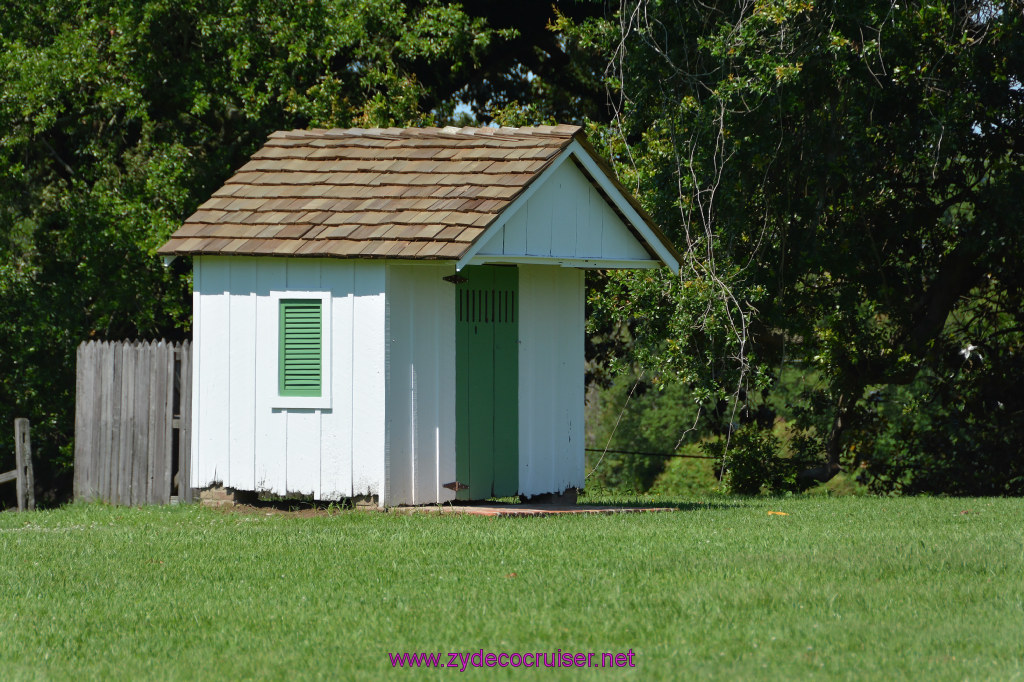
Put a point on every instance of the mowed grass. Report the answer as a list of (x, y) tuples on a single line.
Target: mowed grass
[(847, 588)]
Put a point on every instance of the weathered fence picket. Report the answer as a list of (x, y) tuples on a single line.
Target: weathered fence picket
[(23, 460), (22, 472), (183, 387), (133, 422)]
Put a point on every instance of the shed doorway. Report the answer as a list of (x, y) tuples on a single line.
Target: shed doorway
[(487, 382)]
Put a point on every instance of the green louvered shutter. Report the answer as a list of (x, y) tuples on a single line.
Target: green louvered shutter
[(301, 347)]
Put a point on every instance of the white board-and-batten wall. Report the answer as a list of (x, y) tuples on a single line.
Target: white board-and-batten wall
[(421, 381), (247, 438), (386, 425)]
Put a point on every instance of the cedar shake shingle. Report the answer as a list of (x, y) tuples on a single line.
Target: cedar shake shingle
[(425, 193)]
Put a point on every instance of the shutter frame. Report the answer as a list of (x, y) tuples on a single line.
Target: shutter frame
[(300, 347)]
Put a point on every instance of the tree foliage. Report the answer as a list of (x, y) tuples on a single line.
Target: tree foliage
[(120, 116), (842, 177), (631, 416)]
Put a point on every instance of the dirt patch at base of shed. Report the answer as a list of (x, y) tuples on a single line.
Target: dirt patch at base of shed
[(310, 509)]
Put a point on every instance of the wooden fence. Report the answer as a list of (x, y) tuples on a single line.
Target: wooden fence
[(22, 472), (133, 413)]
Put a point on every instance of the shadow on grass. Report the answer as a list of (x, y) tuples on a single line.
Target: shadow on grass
[(307, 506), (604, 498), (610, 504), (678, 505)]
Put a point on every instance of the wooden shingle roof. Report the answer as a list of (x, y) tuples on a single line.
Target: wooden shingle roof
[(371, 193)]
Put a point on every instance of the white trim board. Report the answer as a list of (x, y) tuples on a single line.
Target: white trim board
[(597, 176), (322, 401), (585, 263)]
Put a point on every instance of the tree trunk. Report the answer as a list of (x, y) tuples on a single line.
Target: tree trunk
[(833, 445)]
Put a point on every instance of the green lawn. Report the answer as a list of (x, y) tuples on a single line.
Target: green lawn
[(840, 588)]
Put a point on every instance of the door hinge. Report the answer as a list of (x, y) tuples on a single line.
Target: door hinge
[(456, 486), (455, 279)]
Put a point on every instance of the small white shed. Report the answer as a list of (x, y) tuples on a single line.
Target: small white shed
[(399, 313)]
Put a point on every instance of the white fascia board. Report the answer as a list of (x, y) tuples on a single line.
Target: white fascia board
[(631, 214), (577, 151), (512, 208), (586, 263)]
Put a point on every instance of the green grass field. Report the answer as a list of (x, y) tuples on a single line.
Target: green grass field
[(839, 588)]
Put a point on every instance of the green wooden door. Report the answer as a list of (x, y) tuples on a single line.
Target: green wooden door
[(487, 382)]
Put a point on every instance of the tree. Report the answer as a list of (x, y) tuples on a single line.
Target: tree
[(842, 177), (119, 117), (550, 73)]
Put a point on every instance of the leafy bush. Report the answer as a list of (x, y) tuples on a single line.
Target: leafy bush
[(753, 461), (685, 477), (636, 416)]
